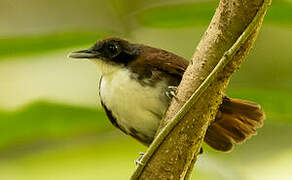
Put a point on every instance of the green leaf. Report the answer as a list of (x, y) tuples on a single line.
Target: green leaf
[(200, 13), (176, 16), (12, 46), (48, 121)]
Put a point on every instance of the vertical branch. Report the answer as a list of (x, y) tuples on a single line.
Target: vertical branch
[(223, 47)]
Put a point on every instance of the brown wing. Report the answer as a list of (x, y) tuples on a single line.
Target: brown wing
[(156, 64), (167, 62)]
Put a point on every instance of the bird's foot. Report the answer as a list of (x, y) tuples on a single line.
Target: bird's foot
[(138, 161), (171, 92)]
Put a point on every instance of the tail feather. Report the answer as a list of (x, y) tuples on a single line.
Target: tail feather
[(217, 139), (235, 122)]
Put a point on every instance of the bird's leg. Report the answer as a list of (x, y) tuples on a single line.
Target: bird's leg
[(138, 161), (171, 92)]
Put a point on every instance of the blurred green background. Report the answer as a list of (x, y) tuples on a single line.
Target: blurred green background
[(51, 124)]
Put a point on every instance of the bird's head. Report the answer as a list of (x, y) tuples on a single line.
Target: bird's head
[(109, 54)]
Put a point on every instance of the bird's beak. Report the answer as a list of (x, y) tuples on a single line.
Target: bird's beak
[(88, 54)]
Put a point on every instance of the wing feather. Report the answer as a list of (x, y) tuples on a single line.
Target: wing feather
[(161, 62)]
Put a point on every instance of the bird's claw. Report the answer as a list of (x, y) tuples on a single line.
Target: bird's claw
[(138, 161), (171, 92)]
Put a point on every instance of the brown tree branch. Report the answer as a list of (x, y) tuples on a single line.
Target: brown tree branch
[(224, 46)]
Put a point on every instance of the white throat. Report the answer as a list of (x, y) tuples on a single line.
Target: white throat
[(105, 68)]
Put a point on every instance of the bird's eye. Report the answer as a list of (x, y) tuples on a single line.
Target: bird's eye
[(113, 48)]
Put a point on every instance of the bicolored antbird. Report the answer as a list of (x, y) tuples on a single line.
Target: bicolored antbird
[(137, 83)]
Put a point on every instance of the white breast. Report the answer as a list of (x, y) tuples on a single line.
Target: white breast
[(133, 105)]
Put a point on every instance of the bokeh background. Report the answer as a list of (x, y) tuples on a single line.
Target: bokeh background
[(51, 124)]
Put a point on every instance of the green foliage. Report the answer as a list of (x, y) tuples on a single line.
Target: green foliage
[(200, 13), (280, 13), (49, 121), (177, 16), (12, 46), (107, 157)]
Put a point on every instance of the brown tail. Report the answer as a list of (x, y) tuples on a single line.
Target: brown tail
[(235, 122)]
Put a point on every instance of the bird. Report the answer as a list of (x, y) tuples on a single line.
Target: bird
[(138, 83)]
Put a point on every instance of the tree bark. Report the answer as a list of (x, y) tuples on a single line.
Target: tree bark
[(225, 44)]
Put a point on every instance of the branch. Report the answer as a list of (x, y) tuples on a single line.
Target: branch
[(224, 46)]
